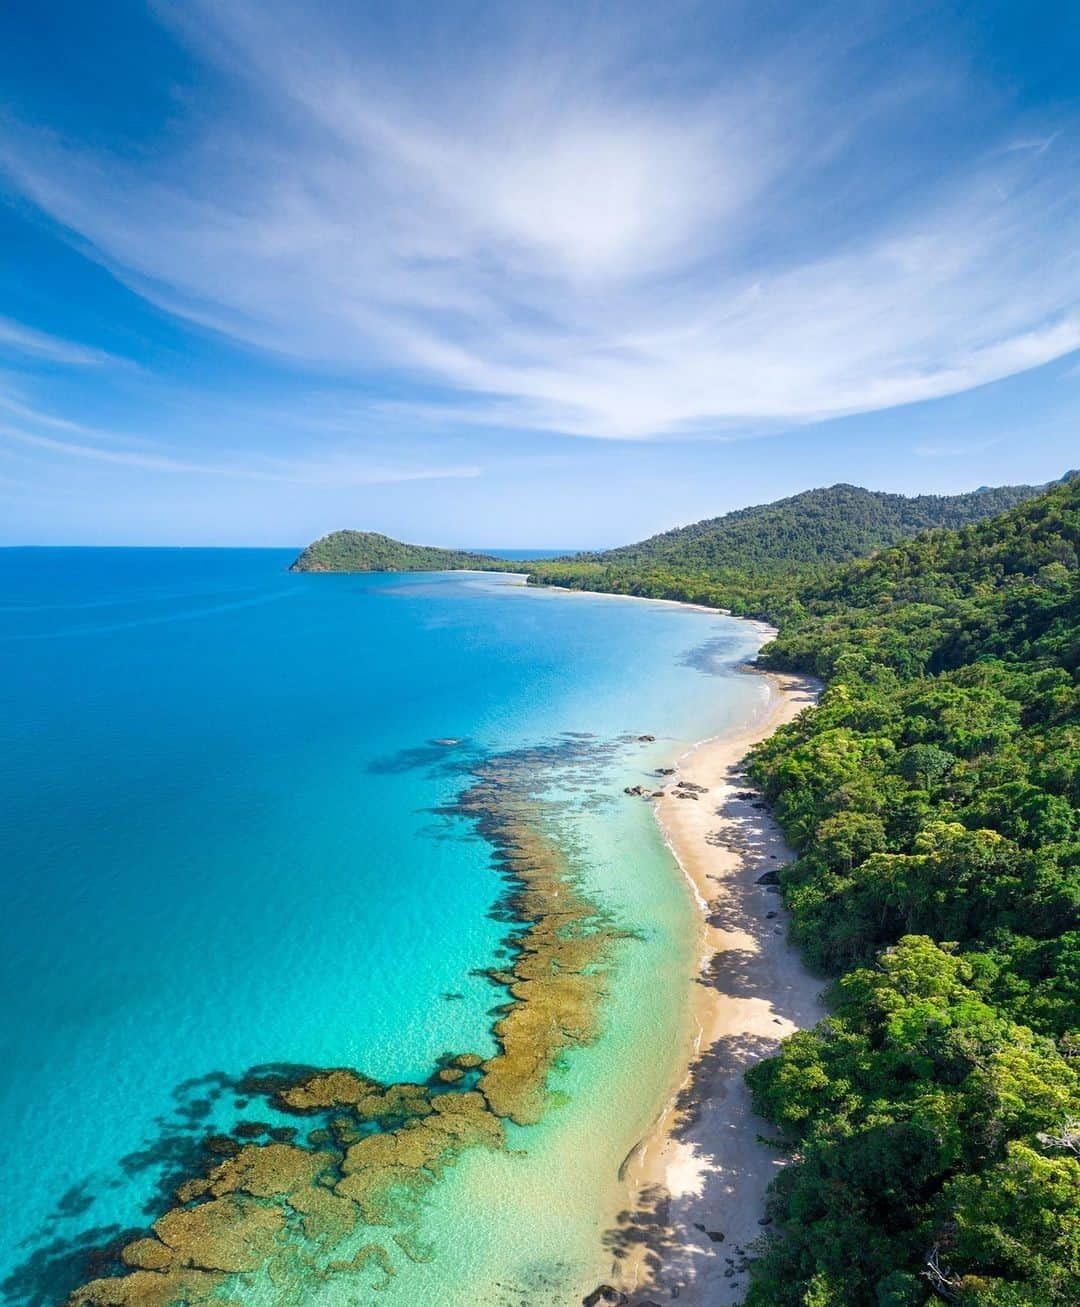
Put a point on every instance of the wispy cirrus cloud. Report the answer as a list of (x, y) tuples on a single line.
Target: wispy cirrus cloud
[(577, 225), (19, 340), (344, 469)]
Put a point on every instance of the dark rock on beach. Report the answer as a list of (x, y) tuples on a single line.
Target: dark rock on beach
[(605, 1296)]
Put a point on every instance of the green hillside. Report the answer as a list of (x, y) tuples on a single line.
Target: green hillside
[(933, 799), (743, 559), (834, 524), (366, 551)]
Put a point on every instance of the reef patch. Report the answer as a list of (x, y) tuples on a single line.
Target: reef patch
[(279, 1206)]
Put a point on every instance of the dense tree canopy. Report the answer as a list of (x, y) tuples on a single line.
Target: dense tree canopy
[(933, 798)]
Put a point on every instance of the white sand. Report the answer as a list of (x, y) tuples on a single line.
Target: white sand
[(702, 1169)]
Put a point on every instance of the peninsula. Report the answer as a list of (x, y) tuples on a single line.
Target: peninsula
[(929, 801), (367, 551)]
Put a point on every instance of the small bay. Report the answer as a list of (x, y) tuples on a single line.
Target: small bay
[(229, 839)]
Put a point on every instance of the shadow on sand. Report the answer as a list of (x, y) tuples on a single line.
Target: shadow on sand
[(669, 1242)]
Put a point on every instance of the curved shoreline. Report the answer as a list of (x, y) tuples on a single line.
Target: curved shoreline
[(697, 1180), (615, 594)]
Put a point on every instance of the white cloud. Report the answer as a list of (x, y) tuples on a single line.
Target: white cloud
[(15, 338), (339, 469), (560, 243)]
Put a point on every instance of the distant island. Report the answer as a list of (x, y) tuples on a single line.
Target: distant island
[(367, 551)]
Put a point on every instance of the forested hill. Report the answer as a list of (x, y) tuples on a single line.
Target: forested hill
[(829, 525), (366, 551), (936, 601), (933, 798), (756, 560)]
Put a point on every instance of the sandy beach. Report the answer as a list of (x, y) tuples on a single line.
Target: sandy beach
[(697, 1182), (648, 599)]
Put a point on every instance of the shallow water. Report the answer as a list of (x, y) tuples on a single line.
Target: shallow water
[(222, 847)]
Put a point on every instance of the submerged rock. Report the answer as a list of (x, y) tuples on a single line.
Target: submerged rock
[(466, 1061), (336, 1088), (221, 1145)]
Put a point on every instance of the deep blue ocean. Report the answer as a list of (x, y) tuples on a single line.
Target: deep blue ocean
[(221, 846)]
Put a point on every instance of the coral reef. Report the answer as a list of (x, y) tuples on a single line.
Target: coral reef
[(289, 1210)]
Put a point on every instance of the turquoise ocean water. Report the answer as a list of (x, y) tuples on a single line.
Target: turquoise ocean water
[(221, 847)]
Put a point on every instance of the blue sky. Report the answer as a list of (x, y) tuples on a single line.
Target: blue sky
[(526, 274)]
